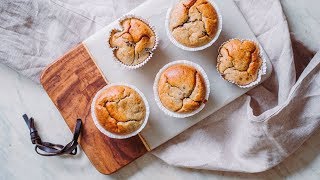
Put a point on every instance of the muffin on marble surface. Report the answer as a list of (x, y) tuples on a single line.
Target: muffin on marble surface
[(193, 23), (239, 61), (134, 43), (181, 88), (120, 109)]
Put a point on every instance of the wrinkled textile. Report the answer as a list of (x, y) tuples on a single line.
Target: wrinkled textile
[(252, 134), (34, 33)]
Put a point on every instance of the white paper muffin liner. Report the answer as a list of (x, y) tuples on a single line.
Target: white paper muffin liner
[(131, 67), (156, 95), (263, 68), (186, 48), (114, 135)]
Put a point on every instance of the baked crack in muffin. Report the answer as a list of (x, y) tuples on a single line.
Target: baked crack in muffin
[(134, 43), (239, 61), (193, 23), (181, 88), (120, 109)]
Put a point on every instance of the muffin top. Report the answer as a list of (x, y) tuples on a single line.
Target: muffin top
[(239, 61), (120, 109), (134, 43), (193, 23), (181, 88)]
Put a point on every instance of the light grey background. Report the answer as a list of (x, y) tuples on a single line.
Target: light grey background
[(19, 95)]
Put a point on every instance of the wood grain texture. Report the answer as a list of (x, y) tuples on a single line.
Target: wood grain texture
[(71, 82)]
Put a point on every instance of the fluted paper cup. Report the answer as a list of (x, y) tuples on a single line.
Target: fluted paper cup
[(262, 70), (131, 67), (111, 134), (156, 94), (186, 48)]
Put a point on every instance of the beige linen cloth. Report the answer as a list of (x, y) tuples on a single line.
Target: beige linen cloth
[(252, 134)]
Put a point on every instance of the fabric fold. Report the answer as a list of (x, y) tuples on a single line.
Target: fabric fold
[(252, 134), (260, 129)]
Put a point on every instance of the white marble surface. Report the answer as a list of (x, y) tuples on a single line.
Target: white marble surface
[(19, 95)]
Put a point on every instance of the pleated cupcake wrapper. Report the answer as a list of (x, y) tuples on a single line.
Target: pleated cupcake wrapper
[(114, 135), (156, 82), (132, 67), (262, 70), (186, 48)]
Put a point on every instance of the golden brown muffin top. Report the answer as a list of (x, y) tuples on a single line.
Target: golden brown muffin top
[(134, 43), (181, 88), (239, 61), (120, 109), (193, 23)]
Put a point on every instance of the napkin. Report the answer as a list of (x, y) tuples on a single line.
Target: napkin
[(252, 134), (263, 127)]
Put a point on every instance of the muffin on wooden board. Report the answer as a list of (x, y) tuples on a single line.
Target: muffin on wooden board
[(134, 44), (120, 109), (193, 23), (239, 61)]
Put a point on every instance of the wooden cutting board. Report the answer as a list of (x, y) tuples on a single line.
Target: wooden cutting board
[(71, 82)]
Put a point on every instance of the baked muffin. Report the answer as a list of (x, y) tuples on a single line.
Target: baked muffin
[(239, 61), (181, 88), (134, 43), (120, 109), (193, 23)]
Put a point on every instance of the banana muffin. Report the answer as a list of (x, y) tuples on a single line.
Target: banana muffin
[(193, 23), (239, 61), (120, 109), (181, 88), (134, 43)]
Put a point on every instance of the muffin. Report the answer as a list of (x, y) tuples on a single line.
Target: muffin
[(181, 88), (193, 23), (134, 43), (239, 61), (120, 109)]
